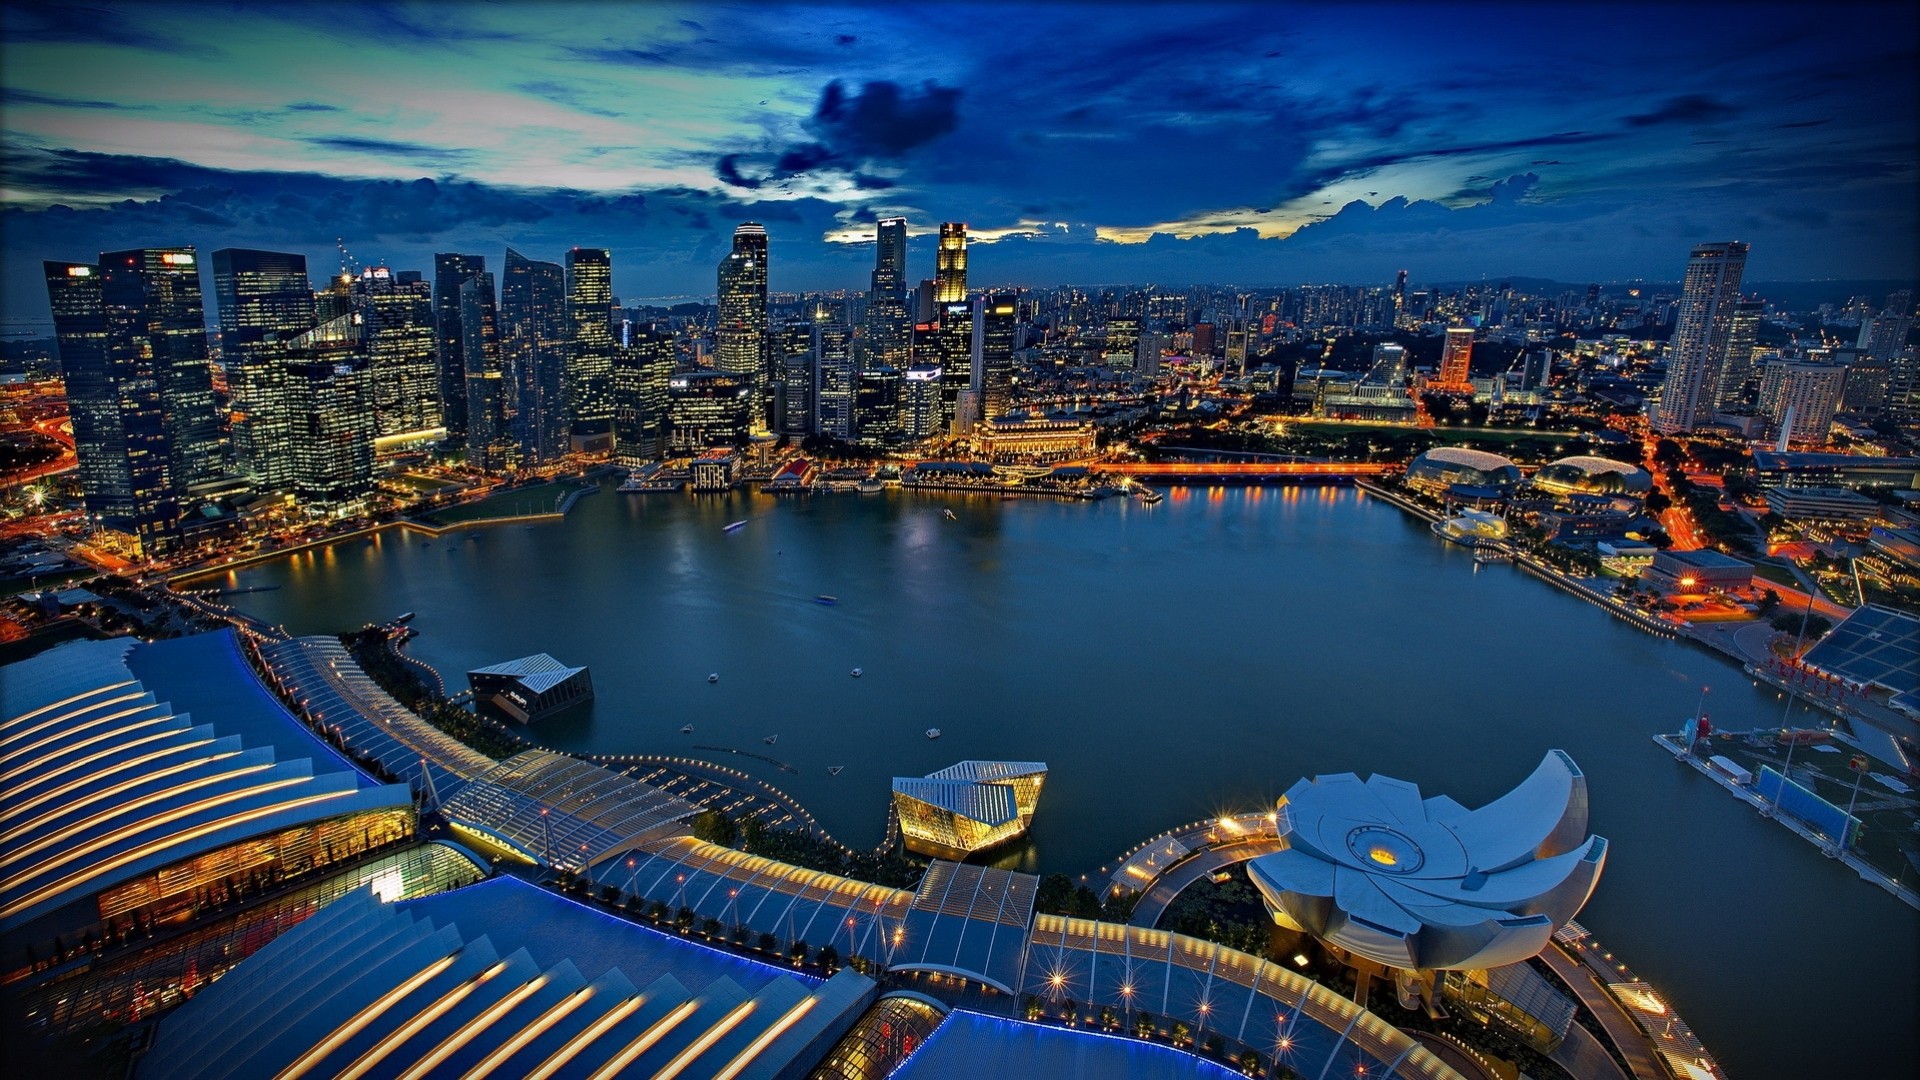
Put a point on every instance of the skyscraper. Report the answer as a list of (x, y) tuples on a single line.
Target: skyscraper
[(265, 300), (1702, 326), (590, 322), (133, 341), (641, 369), (1800, 397), (1456, 361), (397, 338), (950, 266), (889, 324), (489, 434), (995, 329), (799, 365), (331, 415), (450, 271), (741, 348), (533, 355), (833, 395), (1742, 336)]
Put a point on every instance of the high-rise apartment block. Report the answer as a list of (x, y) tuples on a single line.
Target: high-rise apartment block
[(1702, 331)]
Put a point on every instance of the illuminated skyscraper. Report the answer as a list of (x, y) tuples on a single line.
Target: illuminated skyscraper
[(1456, 361), (329, 395), (923, 414), (133, 341), (1122, 343), (590, 319), (950, 266), (833, 395), (397, 335), (641, 370), (1800, 397), (533, 355), (953, 355), (996, 326), (265, 300), (1742, 337), (451, 271), (1703, 324), (740, 344), (889, 328), (793, 397), (876, 407)]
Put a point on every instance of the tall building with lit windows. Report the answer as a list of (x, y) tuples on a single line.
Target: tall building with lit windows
[(132, 336), (489, 436), (450, 271), (889, 325), (950, 265), (1702, 329), (740, 345), (834, 388), (995, 334), (397, 328), (590, 325), (641, 370), (265, 299), (533, 355), (1456, 361)]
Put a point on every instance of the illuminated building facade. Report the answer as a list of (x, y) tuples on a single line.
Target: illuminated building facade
[(489, 409), (1034, 440), (1443, 468), (450, 271), (707, 408), (1122, 346), (265, 299), (740, 345), (590, 330), (950, 265), (889, 324), (996, 332), (798, 373), (1743, 334), (922, 413), (1456, 361), (641, 370), (397, 338), (1587, 475), (833, 393), (968, 807), (330, 416), (876, 407), (1703, 328), (529, 689), (133, 339), (1800, 398), (533, 355)]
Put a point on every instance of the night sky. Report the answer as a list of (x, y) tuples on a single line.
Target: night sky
[(1091, 143)]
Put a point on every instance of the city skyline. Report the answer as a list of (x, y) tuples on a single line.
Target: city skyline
[(1229, 146)]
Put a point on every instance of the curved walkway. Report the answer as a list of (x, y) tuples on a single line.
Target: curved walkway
[(1167, 888)]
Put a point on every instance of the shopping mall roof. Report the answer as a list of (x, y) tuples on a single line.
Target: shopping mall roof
[(968, 920), (538, 673), (500, 978), (109, 776), (562, 811), (1873, 646), (1472, 459), (967, 1046)]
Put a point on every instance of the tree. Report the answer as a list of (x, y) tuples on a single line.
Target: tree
[(1055, 894), (711, 927), (828, 958), (1182, 1034), (798, 951), (714, 827), (1085, 904), (1143, 1025), (768, 943), (1768, 601), (1658, 503)]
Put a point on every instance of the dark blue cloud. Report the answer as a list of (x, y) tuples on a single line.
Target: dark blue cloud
[(417, 153), (12, 95), (54, 22), (1685, 109)]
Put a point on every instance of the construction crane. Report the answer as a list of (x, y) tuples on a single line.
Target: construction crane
[(348, 264)]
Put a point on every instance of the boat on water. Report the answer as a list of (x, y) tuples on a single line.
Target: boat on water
[(950, 515), (735, 527), (1150, 496), (857, 673), (933, 733), (715, 677), (688, 730), (769, 739), (834, 770), (633, 486), (827, 600)]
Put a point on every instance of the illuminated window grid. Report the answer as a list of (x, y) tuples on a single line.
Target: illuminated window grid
[(884, 1037)]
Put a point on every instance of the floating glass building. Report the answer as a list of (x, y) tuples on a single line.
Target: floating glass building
[(967, 807)]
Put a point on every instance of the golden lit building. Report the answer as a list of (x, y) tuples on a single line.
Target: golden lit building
[(968, 807), (1034, 440)]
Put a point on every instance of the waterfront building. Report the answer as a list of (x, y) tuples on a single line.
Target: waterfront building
[(798, 373), (450, 271), (707, 408), (1456, 362), (529, 689), (1703, 328), (265, 299), (1697, 571), (1443, 470), (996, 335), (489, 406), (1800, 398), (1007, 440), (533, 355), (642, 369), (133, 341), (1419, 884), (1587, 475), (922, 413), (330, 416), (397, 332), (740, 344), (1878, 648), (590, 339), (833, 395), (968, 807), (1470, 527), (889, 323), (166, 817), (716, 470), (876, 407), (953, 355)]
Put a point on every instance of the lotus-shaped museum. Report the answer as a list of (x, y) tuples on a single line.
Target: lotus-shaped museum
[(1374, 868)]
